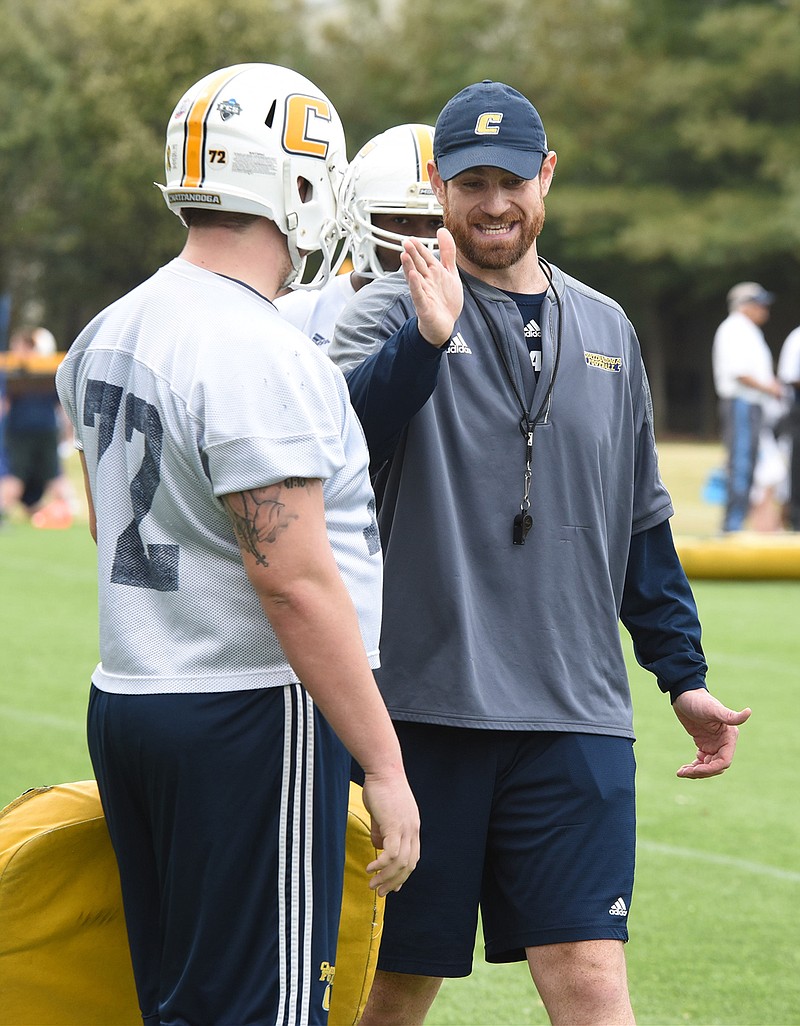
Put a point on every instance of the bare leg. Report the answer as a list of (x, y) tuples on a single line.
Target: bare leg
[(11, 489), (583, 983), (765, 515), (398, 999)]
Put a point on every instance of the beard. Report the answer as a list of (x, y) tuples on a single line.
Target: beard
[(485, 251)]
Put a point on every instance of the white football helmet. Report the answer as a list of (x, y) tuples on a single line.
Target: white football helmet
[(241, 138), (388, 175)]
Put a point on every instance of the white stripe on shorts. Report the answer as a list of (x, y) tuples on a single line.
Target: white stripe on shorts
[(295, 879)]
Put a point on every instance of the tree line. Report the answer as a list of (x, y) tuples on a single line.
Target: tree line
[(675, 123)]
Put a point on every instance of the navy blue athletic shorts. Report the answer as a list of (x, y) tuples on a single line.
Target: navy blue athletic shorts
[(227, 813), (536, 829), (33, 458)]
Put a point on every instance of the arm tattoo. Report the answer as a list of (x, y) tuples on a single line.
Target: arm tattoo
[(259, 517)]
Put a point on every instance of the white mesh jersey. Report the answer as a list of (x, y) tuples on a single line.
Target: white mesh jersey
[(189, 388), (314, 311)]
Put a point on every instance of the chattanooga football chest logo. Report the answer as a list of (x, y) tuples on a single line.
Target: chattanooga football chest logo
[(613, 364)]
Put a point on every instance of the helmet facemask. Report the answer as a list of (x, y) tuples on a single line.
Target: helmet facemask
[(389, 175)]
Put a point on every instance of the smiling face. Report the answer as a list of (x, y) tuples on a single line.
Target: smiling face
[(494, 216)]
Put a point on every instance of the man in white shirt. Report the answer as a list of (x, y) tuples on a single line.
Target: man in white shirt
[(743, 378)]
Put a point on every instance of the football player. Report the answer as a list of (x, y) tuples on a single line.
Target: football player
[(239, 576), (386, 197)]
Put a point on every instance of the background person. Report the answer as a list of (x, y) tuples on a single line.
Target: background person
[(744, 379), (33, 479), (239, 574), (770, 476), (522, 513), (789, 373), (386, 196)]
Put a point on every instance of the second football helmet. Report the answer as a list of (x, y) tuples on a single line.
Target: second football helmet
[(388, 175), (244, 139)]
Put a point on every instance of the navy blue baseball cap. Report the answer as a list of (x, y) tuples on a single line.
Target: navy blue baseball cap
[(489, 123)]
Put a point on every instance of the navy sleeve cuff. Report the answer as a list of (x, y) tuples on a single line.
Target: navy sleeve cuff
[(690, 684), (659, 612)]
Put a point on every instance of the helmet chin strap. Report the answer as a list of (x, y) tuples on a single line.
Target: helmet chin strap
[(290, 277)]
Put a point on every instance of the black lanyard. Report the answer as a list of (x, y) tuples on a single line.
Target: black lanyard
[(523, 521)]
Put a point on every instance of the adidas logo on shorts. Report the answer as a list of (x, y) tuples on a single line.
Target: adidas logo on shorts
[(619, 908)]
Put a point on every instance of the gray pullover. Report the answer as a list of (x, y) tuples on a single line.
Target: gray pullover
[(477, 631)]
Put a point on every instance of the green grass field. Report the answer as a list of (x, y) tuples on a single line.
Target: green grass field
[(715, 935)]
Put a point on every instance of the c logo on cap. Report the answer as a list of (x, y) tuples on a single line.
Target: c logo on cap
[(488, 123)]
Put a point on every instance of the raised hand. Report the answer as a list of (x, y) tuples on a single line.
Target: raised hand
[(435, 287)]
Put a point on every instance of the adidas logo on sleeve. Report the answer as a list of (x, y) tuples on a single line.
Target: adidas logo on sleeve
[(619, 908)]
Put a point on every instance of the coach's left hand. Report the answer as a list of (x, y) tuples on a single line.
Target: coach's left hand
[(714, 728)]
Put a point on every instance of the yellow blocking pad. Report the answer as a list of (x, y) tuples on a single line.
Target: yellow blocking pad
[(361, 922), (741, 555), (63, 947), (64, 957)]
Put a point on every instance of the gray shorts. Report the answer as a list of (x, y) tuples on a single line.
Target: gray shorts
[(536, 829)]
